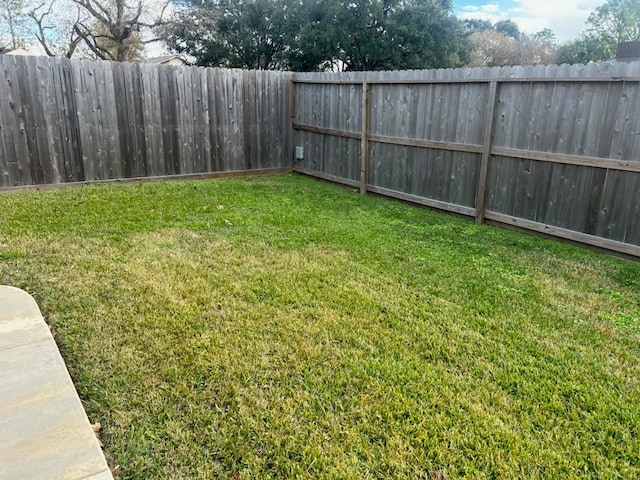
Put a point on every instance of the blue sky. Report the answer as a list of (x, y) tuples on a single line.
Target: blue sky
[(565, 17)]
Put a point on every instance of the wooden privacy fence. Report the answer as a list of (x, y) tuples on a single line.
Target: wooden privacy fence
[(552, 149), (78, 120)]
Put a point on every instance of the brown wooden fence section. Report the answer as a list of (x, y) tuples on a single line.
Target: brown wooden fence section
[(552, 149), (77, 120)]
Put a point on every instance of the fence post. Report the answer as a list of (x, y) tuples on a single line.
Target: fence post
[(292, 119), (364, 142), (487, 140)]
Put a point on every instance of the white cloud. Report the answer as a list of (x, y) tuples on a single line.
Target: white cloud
[(489, 11), (487, 8), (565, 17)]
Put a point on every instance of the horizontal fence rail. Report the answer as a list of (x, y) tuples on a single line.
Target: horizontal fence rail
[(78, 120), (552, 149)]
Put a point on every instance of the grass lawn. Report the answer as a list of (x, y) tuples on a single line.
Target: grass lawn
[(283, 327)]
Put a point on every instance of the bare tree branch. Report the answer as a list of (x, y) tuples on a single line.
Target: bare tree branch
[(107, 30), (39, 18), (89, 40), (50, 30), (100, 14)]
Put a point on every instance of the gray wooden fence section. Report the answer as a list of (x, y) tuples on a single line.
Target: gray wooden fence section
[(553, 149), (73, 121)]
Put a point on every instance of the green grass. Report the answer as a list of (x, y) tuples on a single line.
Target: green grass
[(281, 327)]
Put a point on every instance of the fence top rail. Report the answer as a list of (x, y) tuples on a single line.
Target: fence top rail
[(413, 81)]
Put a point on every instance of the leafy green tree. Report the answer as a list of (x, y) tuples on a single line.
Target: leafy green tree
[(320, 34), (475, 25), (616, 21), (390, 34), (508, 28), (427, 38), (611, 23), (233, 33), (545, 35), (584, 49), (316, 42)]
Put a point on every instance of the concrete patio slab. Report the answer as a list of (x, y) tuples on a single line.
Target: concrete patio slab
[(44, 429)]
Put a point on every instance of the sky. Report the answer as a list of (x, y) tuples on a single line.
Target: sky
[(566, 18)]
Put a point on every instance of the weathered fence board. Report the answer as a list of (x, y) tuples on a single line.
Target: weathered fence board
[(73, 121), (560, 153)]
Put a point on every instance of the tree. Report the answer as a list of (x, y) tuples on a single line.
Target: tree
[(391, 34), (537, 49), (193, 32), (128, 47), (315, 45), (584, 49), (233, 33), (320, 34), (508, 28), (387, 35), (545, 35), (428, 38), (611, 23), (491, 48), (55, 30), (112, 30), (107, 30), (12, 23), (614, 22), (475, 25)]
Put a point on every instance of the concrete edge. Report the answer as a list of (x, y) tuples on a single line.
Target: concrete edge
[(45, 428)]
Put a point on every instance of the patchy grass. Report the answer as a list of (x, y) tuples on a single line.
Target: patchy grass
[(283, 327)]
